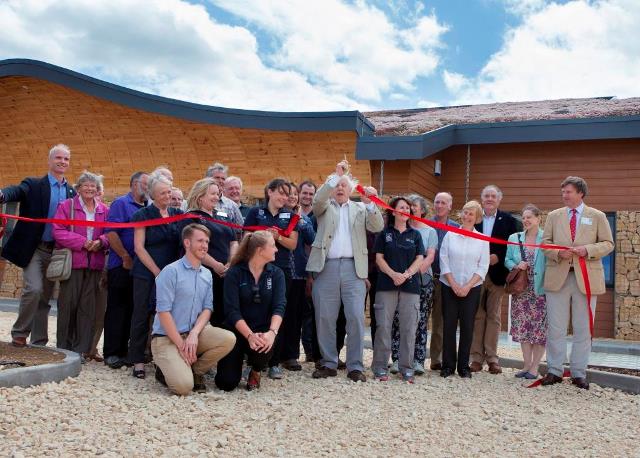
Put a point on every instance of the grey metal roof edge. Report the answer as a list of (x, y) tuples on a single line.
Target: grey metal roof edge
[(601, 128), (252, 119)]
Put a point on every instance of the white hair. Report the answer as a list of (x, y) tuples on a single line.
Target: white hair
[(59, 147), (88, 176), (494, 187), (351, 182), (233, 178), (156, 178)]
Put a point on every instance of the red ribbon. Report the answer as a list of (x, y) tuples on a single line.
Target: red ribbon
[(150, 222), (479, 236)]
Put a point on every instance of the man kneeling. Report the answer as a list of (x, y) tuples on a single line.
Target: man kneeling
[(184, 345)]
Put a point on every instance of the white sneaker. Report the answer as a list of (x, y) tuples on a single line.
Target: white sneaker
[(418, 368), (394, 368)]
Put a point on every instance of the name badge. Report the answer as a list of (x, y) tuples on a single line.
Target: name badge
[(285, 215), (586, 221), (223, 214)]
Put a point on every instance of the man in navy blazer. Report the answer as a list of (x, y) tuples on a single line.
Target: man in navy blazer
[(30, 244), (486, 331)]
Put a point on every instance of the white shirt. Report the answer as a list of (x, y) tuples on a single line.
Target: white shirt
[(341, 246), (91, 216), (462, 257), (488, 222)]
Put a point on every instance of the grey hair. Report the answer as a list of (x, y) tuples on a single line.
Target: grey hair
[(444, 193), (494, 187), (217, 167), (423, 203), (156, 178), (88, 176), (164, 171), (233, 178), (59, 147)]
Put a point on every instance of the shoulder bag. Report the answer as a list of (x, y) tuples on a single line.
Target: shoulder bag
[(59, 268), (518, 279)]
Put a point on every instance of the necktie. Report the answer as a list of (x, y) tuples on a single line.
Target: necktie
[(572, 223)]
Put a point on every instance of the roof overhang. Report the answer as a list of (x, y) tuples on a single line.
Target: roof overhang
[(250, 119), (421, 146)]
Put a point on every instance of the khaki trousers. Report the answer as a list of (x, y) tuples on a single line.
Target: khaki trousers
[(77, 310), (213, 345), (559, 303), (435, 347), (486, 329)]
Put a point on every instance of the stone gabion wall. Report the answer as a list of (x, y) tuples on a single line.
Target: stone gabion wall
[(627, 298)]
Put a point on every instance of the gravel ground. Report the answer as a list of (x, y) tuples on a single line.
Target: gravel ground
[(110, 413)]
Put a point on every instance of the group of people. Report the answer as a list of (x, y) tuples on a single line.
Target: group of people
[(199, 291)]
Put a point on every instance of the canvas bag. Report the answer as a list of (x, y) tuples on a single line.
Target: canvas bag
[(59, 268)]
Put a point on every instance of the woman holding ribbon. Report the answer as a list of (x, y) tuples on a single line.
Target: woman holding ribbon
[(464, 262), (155, 247), (79, 294), (529, 308), (203, 201), (277, 216), (399, 254)]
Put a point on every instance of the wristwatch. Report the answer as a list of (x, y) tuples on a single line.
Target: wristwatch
[(275, 331)]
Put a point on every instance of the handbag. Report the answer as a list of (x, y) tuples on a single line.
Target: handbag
[(59, 268), (518, 279)]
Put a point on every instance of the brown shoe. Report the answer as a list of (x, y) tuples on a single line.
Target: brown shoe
[(436, 366), (356, 376), (475, 366), (550, 379), (324, 372), (341, 365), (580, 382), (253, 381), (19, 342), (494, 368), (198, 384)]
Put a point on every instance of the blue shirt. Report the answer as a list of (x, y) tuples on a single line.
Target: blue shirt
[(58, 195), (435, 266), (121, 211), (185, 291)]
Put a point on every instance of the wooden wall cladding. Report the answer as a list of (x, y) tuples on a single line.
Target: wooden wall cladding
[(116, 140)]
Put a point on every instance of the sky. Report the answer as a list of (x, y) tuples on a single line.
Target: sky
[(302, 55)]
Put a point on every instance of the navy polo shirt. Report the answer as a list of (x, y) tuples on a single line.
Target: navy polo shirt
[(400, 251), (261, 216), (221, 236), (161, 242), (240, 289)]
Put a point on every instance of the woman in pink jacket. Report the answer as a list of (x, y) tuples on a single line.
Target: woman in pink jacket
[(88, 245)]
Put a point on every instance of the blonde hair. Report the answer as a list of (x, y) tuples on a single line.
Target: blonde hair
[(474, 204), (250, 244), (198, 190)]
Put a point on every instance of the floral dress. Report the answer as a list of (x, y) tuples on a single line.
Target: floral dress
[(529, 311)]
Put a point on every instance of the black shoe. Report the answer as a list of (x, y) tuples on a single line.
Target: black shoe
[(356, 376), (446, 372), (550, 379), (324, 372), (464, 373), (114, 362), (160, 377), (291, 365)]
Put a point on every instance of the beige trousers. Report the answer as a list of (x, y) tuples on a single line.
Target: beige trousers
[(213, 345), (486, 329)]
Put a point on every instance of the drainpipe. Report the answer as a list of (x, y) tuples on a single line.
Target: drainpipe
[(467, 174), (381, 178)]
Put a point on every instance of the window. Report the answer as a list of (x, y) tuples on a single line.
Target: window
[(609, 261)]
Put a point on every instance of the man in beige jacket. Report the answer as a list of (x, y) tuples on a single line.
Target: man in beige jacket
[(339, 264), (587, 231)]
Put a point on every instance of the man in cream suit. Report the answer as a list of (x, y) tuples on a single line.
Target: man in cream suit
[(339, 264), (587, 231)]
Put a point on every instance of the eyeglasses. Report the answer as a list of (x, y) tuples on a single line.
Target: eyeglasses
[(256, 294)]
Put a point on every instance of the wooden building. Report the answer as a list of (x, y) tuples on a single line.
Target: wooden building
[(525, 148)]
